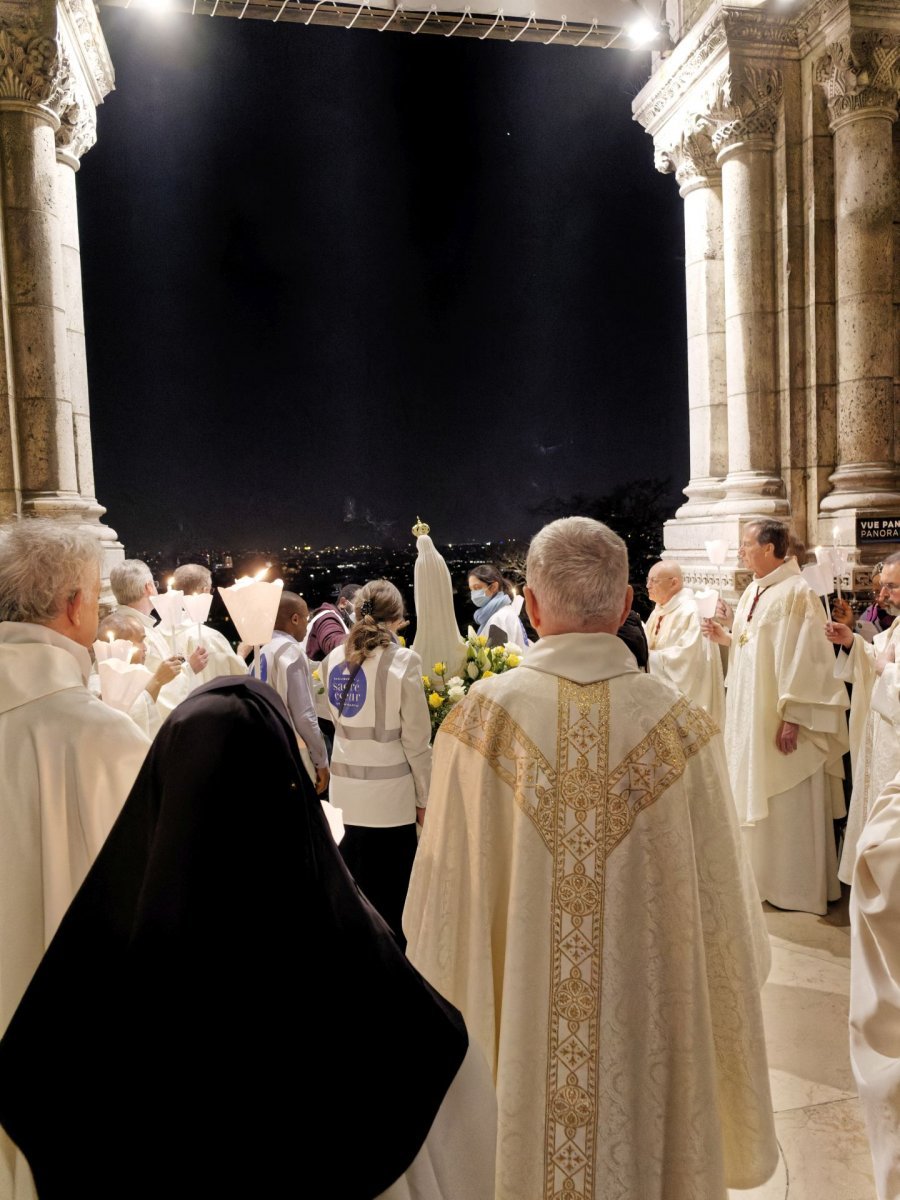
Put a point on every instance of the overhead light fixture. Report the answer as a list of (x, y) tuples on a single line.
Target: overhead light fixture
[(642, 32), (645, 35)]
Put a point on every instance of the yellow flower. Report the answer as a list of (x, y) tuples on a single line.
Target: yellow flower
[(481, 640), (513, 660), (316, 674), (486, 674), (440, 668), (435, 700), (426, 681), (401, 640)]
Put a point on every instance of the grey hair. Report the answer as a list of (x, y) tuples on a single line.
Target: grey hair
[(43, 565), (191, 578), (128, 580), (578, 570)]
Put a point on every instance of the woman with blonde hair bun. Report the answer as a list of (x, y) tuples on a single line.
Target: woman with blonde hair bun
[(381, 762)]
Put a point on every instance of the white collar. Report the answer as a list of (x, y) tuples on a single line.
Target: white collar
[(581, 657), (25, 631)]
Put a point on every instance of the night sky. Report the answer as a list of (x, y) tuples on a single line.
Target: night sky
[(334, 279)]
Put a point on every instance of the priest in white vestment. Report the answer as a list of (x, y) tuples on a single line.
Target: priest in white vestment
[(581, 893), (785, 726), (67, 760), (679, 654), (874, 709), (875, 985), (218, 659)]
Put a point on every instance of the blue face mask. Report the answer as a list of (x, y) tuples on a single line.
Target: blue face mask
[(479, 598)]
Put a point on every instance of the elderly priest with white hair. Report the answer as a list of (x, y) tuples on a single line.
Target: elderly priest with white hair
[(679, 654), (582, 894), (67, 760)]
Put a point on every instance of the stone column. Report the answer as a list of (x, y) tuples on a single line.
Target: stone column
[(746, 112), (861, 78), (76, 134), (694, 162)]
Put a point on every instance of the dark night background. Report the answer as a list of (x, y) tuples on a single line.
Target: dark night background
[(334, 279)]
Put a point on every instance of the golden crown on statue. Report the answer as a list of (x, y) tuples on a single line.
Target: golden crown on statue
[(420, 528)]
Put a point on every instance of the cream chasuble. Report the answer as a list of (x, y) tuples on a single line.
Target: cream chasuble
[(874, 731), (680, 655), (781, 668), (582, 895), (875, 985), (67, 763), (222, 661)]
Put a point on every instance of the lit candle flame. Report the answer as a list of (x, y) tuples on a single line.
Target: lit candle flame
[(261, 574), (110, 637)]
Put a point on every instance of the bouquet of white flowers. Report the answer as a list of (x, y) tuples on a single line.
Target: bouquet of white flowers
[(482, 661)]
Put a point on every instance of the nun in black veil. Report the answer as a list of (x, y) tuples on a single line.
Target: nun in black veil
[(222, 1014)]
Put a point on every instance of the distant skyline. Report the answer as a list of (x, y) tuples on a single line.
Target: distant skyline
[(334, 280)]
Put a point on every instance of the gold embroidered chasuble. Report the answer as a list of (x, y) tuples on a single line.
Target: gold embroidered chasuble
[(582, 894)]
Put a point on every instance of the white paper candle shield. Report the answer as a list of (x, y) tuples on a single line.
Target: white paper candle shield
[(169, 606), (706, 603), (118, 648), (819, 578), (717, 552), (197, 607), (121, 683), (253, 605)]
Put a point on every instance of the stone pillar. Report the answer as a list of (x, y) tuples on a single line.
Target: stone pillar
[(746, 111), (54, 70), (76, 134), (36, 308), (694, 162), (861, 77)]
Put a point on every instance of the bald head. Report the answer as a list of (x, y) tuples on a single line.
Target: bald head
[(293, 615), (121, 625), (664, 580)]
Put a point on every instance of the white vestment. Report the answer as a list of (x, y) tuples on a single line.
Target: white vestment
[(222, 661), (680, 655), (875, 985), (781, 668), (874, 730), (581, 893), (67, 763)]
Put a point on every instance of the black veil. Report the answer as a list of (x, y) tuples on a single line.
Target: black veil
[(221, 1013)]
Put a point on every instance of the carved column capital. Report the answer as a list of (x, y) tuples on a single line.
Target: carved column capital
[(31, 71), (692, 158), (860, 75), (744, 104), (77, 129)]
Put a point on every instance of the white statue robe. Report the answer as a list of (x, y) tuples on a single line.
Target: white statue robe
[(875, 985), (781, 668), (874, 730), (581, 893), (680, 655), (67, 763)]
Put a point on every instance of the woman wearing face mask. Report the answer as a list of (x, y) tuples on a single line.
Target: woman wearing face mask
[(497, 607)]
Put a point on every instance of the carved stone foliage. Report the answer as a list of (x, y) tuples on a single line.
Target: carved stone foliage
[(30, 67), (744, 104), (692, 158), (93, 45), (861, 71), (77, 127)]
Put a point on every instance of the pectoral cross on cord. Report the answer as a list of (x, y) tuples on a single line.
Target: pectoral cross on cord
[(759, 592)]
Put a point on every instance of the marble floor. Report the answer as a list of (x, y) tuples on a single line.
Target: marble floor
[(824, 1152)]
